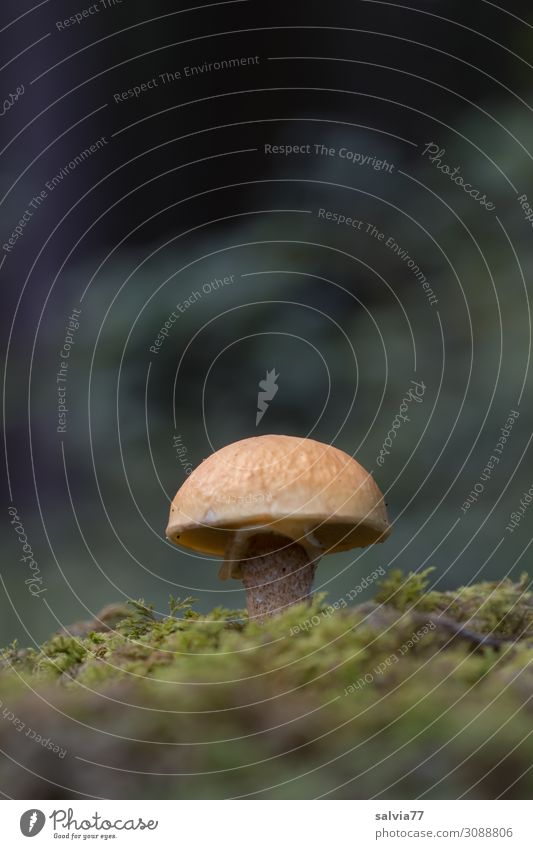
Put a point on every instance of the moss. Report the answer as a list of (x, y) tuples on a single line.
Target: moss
[(404, 592), (397, 697), (502, 608), (58, 655)]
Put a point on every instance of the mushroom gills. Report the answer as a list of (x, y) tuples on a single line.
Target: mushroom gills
[(237, 547)]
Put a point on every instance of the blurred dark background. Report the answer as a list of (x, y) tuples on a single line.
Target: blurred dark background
[(180, 194)]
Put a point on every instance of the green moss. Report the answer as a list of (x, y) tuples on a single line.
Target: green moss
[(501, 608), (398, 696), (404, 592), (58, 655)]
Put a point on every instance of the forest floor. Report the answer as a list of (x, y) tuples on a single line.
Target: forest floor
[(416, 694)]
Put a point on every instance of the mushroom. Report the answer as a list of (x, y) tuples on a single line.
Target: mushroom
[(273, 506)]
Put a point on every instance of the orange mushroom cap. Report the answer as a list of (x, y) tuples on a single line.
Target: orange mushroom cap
[(310, 492)]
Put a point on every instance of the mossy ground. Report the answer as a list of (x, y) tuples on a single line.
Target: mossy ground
[(386, 699)]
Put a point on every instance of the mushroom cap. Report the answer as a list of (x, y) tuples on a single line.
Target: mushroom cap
[(293, 486)]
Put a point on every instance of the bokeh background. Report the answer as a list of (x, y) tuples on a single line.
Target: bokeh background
[(181, 193)]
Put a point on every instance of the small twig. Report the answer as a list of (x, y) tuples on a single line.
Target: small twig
[(458, 630)]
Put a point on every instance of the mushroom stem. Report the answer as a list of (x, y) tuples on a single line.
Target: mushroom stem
[(276, 572)]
